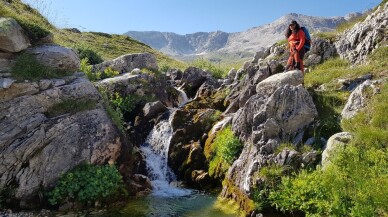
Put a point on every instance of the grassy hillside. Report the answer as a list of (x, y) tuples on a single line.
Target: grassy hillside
[(106, 45)]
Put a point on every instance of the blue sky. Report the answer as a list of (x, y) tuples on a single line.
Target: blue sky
[(186, 16)]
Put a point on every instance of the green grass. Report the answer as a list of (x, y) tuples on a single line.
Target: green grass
[(106, 45), (329, 105), (328, 72), (26, 67)]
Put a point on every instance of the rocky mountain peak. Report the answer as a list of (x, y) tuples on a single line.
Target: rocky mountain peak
[(238, 43)]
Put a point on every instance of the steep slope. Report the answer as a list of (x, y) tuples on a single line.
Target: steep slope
[(106, 45), (219, 42)]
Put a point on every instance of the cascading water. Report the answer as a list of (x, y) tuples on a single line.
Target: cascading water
[(183, 99), (155, 150)]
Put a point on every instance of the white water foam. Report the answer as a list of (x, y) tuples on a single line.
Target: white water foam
[(155, 150)]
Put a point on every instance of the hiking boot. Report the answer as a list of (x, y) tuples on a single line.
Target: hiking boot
[(297, 66)]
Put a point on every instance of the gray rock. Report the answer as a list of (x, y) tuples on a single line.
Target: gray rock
[(192, 79), (232, 73), (141, 85), (36, 149), (57, 57), (356, 43), (128, 62), (6, 60), (321, 50), (6, 83), (152, 109), (279, 111), (12, 38), (351, 84), (136, 71), (336, 141), (175, 74), (358, 99)]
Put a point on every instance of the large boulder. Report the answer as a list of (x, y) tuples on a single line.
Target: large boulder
[(144, 86), (359, 98), (37, 145), (12, 38), (335, 142), (126, 63), (280, 111), (192, 79), (57, 57), (356, 43)]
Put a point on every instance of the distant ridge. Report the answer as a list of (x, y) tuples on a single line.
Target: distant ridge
[(240, 43)]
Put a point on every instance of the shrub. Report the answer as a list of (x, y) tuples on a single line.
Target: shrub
[(228, 146), (34, 31), (87, 183), (224, 150), (92, 56), (26, 67), (95, 76), (115, 114)]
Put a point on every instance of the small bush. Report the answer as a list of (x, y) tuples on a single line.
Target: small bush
[(95, 76), (115, 114), (34, 31), (92, 56), (223, 151), (228, 146), (87, 183), (26, 67)]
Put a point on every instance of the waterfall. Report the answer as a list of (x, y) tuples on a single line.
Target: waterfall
[(156, 149), (183, 99)]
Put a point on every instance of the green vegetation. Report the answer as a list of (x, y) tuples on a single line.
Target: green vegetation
[(87, 184), (355, 183), (216, 71), (105, 45), (271, 177), (85, 52), (71, 106), (95, 76), (224, 150), (26, 67)]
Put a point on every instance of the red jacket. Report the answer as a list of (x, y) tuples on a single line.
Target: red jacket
[(297, 40)]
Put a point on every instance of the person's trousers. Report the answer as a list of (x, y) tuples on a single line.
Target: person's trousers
[(295, 61)]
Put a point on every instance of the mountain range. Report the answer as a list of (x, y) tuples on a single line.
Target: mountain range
[(238, 44)]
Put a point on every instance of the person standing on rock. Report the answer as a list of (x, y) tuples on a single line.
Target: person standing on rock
[(296, 39)]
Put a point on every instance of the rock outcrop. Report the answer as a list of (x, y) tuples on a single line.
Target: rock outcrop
[(356, 43), (12, 38), (359, 98), (56, 57), (128, 62), (279, 111), (39, 142)]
